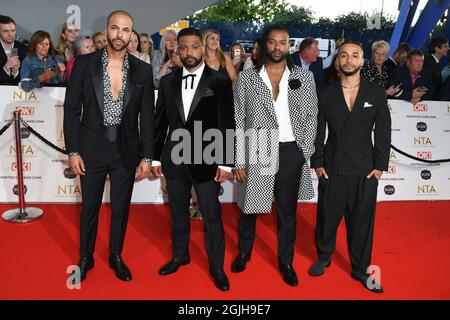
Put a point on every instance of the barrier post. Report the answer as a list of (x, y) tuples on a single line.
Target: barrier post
[(21, 214)]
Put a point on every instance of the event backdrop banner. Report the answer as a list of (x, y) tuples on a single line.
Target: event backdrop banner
[(422, 131)]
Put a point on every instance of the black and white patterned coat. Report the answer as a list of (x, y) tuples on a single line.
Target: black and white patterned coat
[(257, 135)]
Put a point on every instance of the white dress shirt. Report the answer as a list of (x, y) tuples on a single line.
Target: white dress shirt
[(188, 88), (281, 105)]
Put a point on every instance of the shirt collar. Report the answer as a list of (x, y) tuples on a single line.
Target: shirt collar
[(105, 59), (286, 71), (393, 61), (436, 59), (197, 72), (3, 45), (304, 64)]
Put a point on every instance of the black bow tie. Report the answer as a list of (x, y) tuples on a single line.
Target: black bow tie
[(192, 81)]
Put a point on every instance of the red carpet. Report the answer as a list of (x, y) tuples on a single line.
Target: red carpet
[(412, 245)]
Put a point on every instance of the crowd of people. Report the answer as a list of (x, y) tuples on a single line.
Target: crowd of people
[(408, 74)]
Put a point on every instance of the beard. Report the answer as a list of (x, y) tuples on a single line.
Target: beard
[(115, 46), (275, 59), (191, 64), (349, 73)]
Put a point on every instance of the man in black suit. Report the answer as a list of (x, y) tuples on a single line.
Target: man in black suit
[(415, 82), (398, 57), (437, 48), (308, 58), (444, 93), (108, 130), (349, 166), (193, 101), (12, 52)]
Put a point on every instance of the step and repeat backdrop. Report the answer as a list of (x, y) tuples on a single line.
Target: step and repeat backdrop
[(422, 130)]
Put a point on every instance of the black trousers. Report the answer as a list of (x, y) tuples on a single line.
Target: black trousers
[(353, 197), (287, 181), (179, 192), (92, 186)]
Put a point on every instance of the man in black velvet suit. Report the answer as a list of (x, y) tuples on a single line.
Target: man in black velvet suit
[(349, 165), (108, 130), (193, 101), (12, 52)]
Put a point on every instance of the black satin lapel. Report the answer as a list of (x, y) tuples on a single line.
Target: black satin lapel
[(130, 85), (176, 86), (97, 78), (201, 88)]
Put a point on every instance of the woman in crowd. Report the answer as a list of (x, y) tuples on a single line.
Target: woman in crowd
[(134, 46), (250, 63), (42, 65), (82, 45), (146, 48), (99, 39), (66, 38), (238, 56), (375, 71), (332, 73), (214, 56), (166, 59)]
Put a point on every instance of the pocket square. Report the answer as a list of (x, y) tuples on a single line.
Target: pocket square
[(367, 105), (208, 92)]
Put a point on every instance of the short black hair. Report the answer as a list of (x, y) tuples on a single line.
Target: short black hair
[(6, 20), (119, 12), (403, 48), (263, 54), (191, 31), (437, 41), (306, 43), (415, 52), (356, 43)]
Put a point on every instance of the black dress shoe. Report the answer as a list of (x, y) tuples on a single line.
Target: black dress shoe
[(173, 265), (119, 267), (86, 263), (289, 275), (220, 280), (318, 268), (368, 283), (239, 263)]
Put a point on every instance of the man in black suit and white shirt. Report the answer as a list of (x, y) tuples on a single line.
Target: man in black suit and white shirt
[(12, 52), (437, 49), (194, 101), (349, 166), (108, 130)]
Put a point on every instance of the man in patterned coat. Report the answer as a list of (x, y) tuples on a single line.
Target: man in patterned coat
[(276, 119)]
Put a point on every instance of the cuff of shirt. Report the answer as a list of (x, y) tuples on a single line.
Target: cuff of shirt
[(8, 72), (227, 169), (156, 163)]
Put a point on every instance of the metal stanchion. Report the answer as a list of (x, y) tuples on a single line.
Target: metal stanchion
[(21, 214)]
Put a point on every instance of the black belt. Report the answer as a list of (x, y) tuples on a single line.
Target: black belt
[(111, 133), (287, 143)]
